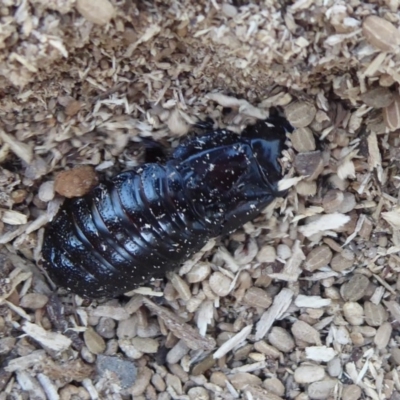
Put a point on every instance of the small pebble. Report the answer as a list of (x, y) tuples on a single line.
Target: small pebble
[(124, 369)]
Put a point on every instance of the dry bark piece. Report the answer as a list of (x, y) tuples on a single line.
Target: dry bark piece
[(318, 257), (303, 140), (379, 97), (76, 182), (300, 113), (391, 114), (381, 33), (309, 164), (355, 288), (97, 11)]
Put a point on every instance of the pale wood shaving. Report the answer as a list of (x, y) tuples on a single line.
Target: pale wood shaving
[(311, 301), (320, 353), (233, 342), (24, 362), (324, 223), (281, 303), (51, 340), (291, 270)]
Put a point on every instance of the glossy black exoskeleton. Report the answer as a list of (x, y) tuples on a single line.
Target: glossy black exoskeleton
[(149, 220)]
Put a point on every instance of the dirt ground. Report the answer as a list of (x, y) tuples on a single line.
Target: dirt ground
[(301, 303)]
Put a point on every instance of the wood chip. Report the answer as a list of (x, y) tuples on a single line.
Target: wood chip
[(180, 329), (14, 218), (280, 304), (233, 342), (320, 353), (324, 223), (311, 301), (21, 150), (25, 362), (51, 340)]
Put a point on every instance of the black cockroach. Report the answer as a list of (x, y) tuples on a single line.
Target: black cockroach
[(149, 220)]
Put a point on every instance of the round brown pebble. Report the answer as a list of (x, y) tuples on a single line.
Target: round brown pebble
[(76, 182)]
